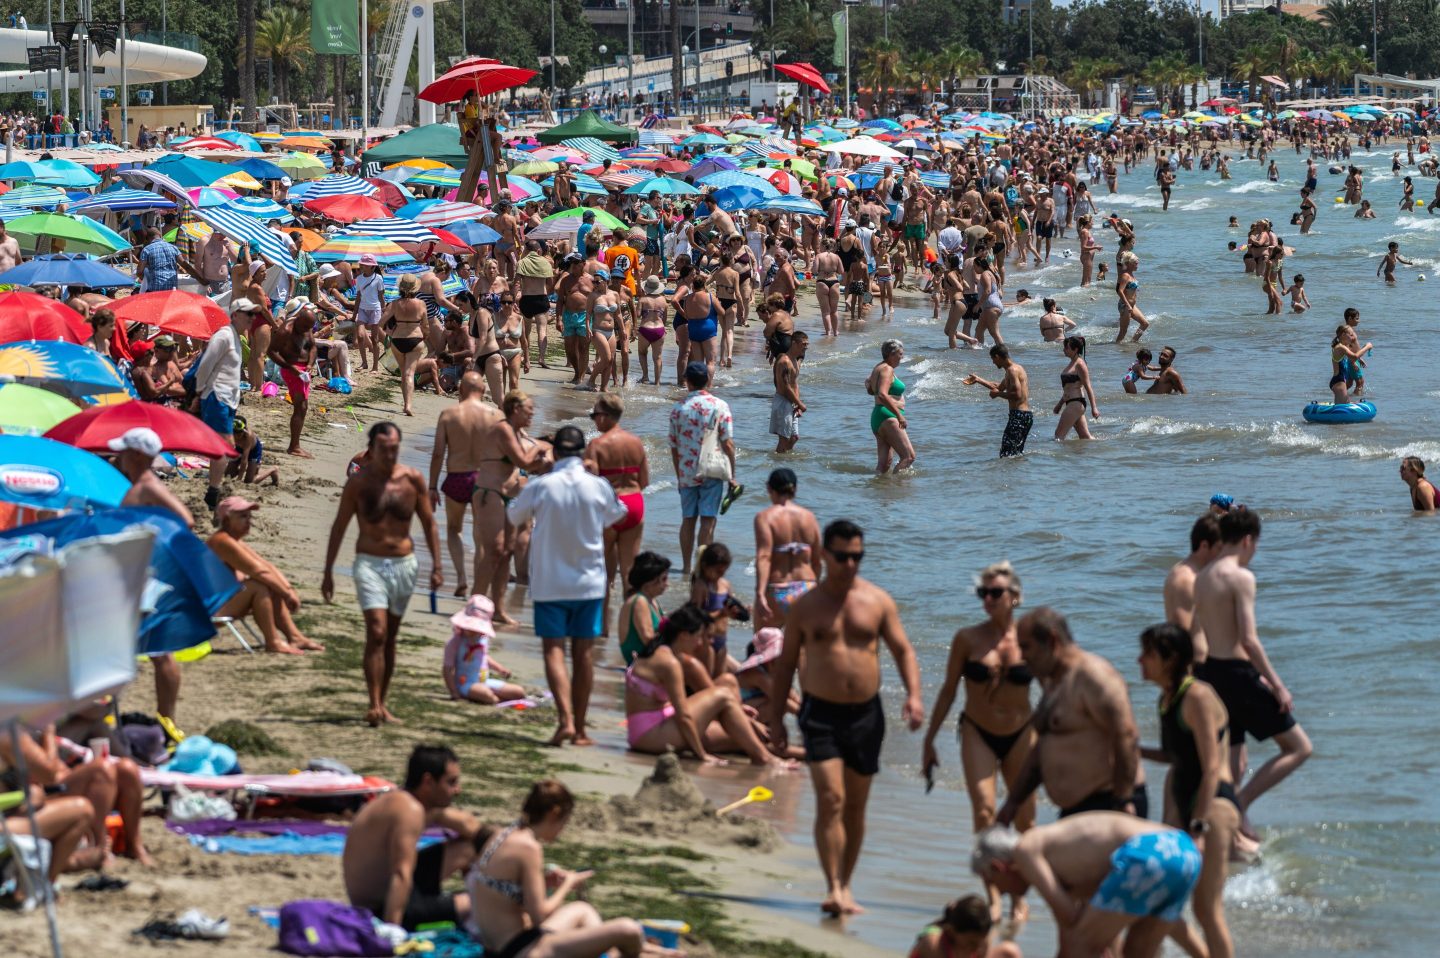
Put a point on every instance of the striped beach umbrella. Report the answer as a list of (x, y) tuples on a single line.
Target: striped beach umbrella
[(247, 229), (440, 212), (445, 178), (33, 195), (340, 184), (450, 286), (123, 199), (345, 248), (593, 148), (261, 208), (396, 229), (204, 197)]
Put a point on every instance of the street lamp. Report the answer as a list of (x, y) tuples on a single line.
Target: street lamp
[(1375, 36), (630, 54), (552, 51), (847, 5), (602, 50)]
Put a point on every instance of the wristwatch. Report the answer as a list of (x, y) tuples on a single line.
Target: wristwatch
[(1198, 826)]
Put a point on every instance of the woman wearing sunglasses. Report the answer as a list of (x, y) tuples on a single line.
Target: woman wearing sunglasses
[(995, 732)]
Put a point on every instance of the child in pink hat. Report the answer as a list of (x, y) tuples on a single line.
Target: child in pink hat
[(468, 665)]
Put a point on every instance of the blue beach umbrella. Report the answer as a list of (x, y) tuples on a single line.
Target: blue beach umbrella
[(77, 371), (32, 195), (65, 269), (44, 474), (261, 208), (261, 169), (712, 164), (65, 173), (396, 229), (474, 234), (664, 185), (190, 171), (122, 199), (243, 140), (704, 139), (793, 204), (732, 198), (21, 170), (340, 184)]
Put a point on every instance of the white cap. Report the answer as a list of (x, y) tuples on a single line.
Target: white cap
[(242, 305), (327, 271), (140, 439)]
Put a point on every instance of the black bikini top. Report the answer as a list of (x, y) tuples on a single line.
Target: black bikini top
[(1018, 674)]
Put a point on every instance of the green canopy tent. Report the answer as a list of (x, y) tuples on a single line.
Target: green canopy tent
[(436, 141), (589, 124)]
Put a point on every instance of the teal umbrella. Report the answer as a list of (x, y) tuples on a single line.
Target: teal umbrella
[(664, 185), (190, 171), (66, 173)]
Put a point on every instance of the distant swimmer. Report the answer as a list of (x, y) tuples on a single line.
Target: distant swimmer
[(1423, 495), (1389, 261)]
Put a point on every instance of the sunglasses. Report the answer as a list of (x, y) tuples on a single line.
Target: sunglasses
[(990, 592), (506, 302), (854, 557)]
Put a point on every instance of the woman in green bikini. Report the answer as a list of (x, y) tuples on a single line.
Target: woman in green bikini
[(639, 619), (887, 418)]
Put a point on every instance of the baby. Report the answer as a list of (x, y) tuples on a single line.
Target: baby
[(467, 657), (1138, 370)]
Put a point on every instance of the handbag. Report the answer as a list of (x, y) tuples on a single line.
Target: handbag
[(713, 462)]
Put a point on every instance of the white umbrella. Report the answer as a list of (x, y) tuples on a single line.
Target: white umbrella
[(865, 146)]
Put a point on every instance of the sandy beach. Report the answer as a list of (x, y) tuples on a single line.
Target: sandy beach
[(661, 855)]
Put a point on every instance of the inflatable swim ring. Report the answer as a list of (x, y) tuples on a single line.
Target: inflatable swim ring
[(1362, 411)]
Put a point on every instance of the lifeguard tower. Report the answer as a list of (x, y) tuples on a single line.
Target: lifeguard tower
[(410, 21)]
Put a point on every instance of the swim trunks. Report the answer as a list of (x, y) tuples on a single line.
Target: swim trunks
[(576, 323), (915, 231), (1253, 707), (1017, 430), (1106, 801), (569, 618), (1151, 876), (784, 422), (851, 732), (298, 388), (782, 595), (459, 486), (428, 904), (534, 304), (384, 582)]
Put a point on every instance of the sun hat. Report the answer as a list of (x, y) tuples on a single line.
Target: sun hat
[(327, 271), (768, 643), (653, 285), (141, 439), (476, 616), (369, 259)]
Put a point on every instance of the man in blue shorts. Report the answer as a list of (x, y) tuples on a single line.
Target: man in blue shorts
[(1101, 873), (572, 508), (217, 383)]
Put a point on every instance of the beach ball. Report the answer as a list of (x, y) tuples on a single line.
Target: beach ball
[(1419, 202), (1339, 199), (1420, 278)]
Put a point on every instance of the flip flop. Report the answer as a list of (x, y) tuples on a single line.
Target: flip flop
[(735, 491)]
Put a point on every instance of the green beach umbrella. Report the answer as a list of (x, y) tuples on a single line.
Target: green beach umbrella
[(81, 235), (602, 218), (28, 411)]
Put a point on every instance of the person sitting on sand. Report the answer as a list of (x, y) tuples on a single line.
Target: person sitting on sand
[(247, 466), (63, 821), (522, 901), (661, 716), (753, 674), (963, 931), (467, 657), (640, 614), (265, 594), (385, 873)]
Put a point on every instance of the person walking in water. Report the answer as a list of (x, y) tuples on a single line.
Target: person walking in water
[(839, 626), (1014, 388)]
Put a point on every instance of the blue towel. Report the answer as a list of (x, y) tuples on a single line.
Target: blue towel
[(286, 844)]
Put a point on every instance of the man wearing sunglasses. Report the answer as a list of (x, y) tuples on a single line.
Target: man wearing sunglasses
[(839, 625)]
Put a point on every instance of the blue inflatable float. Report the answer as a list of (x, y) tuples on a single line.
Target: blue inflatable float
[(1362, 411)]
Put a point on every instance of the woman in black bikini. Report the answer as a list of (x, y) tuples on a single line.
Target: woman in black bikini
[(1075, 390), (523, 902), (482, 330), (997, 696), (683, 271), (405, 321), (828, 277)]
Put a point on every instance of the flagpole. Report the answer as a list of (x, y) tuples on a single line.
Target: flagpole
[(364, 77), (124, 81)]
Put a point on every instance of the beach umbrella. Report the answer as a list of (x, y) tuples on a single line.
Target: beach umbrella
[(339, 184), (803, 73), (122, 199), (345, 248), (27, 411), (392, 195), (521, 187), (247, 229), (33, 195), (397, 229), (440, 212), (474, 234), (261, 169), (603, 220), (32, 316), (864, 146), (178, 431), (481, 78), (347, 209), (301, 166), (81, 235), (74, 370), (724, 178), (778, 178), (148, 179), (260, 207), (197, 231), (196, 143), (173, 310), (65, 173), (310, 240), (715, 164), (64, 269), (308, 142), (191, 171), (22, 170), (450, 178), (793, 204), (703, 139), (450, 287), (732, 198), (44, 474), (420, 163), (664, 185), (204, 197), (245, 142)]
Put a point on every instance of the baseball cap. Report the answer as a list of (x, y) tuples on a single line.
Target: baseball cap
[(140, 347), (844, 191), (141, 439), (697, 372), (569, 441), (233, 505), (242, 305), (164, 342), (850, 224), (574, 256), (603, 273)]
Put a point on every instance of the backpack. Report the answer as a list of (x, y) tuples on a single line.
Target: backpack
[(897, 192), (317, 927)]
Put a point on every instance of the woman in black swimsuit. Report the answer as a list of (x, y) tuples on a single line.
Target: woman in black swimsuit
[(405, 321), (995, 731), (1195, 740), (1075, 390)]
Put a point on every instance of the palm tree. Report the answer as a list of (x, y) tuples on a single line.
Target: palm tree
[(1165, 75), (883, 70), (960, 61), (247, 60), (1190, 75), (283, 36), (929, 72), (1088, 74), (1251, 63), (1337, 63)]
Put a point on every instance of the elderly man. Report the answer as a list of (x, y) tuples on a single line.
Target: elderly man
[(572, 508), (265, 593), (292, 347), (217, 383)]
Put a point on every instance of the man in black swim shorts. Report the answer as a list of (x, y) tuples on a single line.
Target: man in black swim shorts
[(841, 718)]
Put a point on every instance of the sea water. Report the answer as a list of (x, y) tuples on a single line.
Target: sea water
[(1347, 574)]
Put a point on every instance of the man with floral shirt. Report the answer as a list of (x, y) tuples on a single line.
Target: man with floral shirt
[(691, 420)]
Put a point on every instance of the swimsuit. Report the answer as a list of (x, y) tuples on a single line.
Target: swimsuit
[(881, 412), (637, 724), (705, 328), (1179, 744), (575, 324), (1017, 429), (405, 344), (507, 889), (459, 486), (1151, 875), (850, 732), (980, 673), (782, 595), (534, 304), (1107, 801), (632, 645), (1252, 705)]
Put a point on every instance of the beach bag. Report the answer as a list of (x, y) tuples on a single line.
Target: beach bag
[(328, 928), (713, 464)]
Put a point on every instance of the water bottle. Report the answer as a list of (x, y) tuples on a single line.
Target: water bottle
[(434, 608)]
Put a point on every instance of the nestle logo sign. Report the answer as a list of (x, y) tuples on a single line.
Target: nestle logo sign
[(30, 480)]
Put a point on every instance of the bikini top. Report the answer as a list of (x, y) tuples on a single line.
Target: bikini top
[(1018, 674), (619, 470), (507, 334), (643, 686), (606, 310), (1069, 379), (791, 548), (499, 886)]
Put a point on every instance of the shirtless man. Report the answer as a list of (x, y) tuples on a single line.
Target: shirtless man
[(618, 456), (1102, 874), (508, 226), (1167, 381), (383, 496), (786, 282), (1044, 221), (292, 347), (458, 435), (9, 250), (915, 228), (1236, 664), (1180, 582), (786, 406), (572, 293), (383, 871), (1014, 388), (137, 450), (1087, 752), (787, 550), (839, 626)]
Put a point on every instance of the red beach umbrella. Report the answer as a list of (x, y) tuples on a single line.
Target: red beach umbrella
[(803, 73), (348, 209), (173, 310), (31, 316), (179, 432), (483, 78)]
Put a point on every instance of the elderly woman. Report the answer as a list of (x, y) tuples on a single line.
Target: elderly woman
[(887, 418), (265, 593)]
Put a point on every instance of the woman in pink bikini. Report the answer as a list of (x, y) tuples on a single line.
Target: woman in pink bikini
[(619, 456), (651, 327), (661, 717)]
